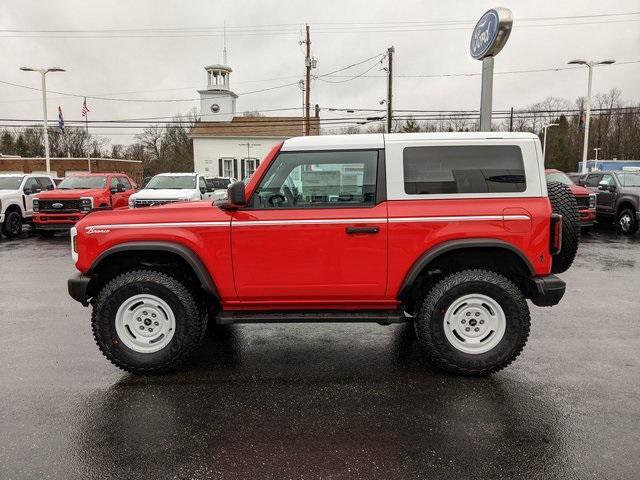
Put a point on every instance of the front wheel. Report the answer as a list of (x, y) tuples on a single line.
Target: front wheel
[(473, 322), (627, 221), (12, 226), (146, 321)]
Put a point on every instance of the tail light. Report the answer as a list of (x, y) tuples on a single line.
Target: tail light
[(555, 239)]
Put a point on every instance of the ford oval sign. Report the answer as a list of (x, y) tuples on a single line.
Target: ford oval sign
[(57, 205), (491, 33)]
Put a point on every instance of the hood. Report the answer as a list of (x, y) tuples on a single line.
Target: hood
[(166, 194), (9, 193), (202, 211), (580, 191), (68, 194)]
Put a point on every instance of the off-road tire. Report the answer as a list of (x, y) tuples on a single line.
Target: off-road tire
[(191, 321), (633, 225), (12, 225), (429, 323), (564, 203)]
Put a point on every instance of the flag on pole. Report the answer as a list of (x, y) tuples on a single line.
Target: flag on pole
[(85, 109), (60, 120)]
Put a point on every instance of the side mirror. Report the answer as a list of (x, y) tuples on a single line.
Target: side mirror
[(203, 190), (603, 185), (50, 187), (32, 190), (236, 195), (121, 188)]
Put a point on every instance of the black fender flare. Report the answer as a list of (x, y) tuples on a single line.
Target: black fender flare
[(444, 247), (182, 251)]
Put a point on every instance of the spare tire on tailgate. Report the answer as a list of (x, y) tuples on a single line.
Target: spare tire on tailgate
[(564, 203)]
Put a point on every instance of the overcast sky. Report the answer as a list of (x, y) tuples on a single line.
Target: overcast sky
[(169, 64)]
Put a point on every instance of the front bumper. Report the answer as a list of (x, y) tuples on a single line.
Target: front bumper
[(57, 221), (546, 291), (587, 217), (77, 287)]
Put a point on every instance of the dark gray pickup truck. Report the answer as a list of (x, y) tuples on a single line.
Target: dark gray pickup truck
[(618, 198)]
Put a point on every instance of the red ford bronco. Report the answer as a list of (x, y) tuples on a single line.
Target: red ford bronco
[(449, 231), (75, 196)]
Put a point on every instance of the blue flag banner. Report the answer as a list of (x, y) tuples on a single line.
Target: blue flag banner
[(60, 120)]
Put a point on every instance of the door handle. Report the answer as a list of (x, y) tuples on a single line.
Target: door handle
[(354, 230)]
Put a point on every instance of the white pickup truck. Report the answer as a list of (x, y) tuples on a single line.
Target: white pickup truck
[(170, 188), (17, 191)]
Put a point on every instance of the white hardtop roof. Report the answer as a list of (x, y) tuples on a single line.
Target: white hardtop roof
[(176, 174), (377, 140), (13, 174)]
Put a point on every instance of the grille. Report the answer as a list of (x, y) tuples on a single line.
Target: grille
[(67, 206), (149, 202), (583, 202)]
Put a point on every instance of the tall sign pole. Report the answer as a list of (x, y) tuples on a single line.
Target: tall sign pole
[(489, 36), (390, 52)]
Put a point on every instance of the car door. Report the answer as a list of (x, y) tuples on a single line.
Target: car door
[(119, 198), (314, 230), (30, 189), (128, 190), (606, 197), (205, 190)]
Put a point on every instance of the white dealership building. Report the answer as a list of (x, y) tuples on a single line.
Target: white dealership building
[(229, 145)]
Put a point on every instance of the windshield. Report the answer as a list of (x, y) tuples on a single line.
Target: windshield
[(559, 177), (80, 183), (175, 182), (629, 179), (10, 183), (218, 183)]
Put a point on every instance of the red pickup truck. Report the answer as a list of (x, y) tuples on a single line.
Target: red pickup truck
[(585, 199), (75, 196), (449, 231)]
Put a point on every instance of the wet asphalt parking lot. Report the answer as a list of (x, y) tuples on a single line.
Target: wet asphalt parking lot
[(317, 400)]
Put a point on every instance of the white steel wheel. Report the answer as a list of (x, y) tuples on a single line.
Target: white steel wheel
[(145, 323), (474, 323)]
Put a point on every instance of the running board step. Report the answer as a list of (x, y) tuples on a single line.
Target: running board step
[(382, 317)]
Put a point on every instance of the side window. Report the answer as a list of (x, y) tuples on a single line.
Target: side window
[(593, 180), (319, 179), (45, 183), (463, 169), (31, 183), (114, 182), (125, 181), (609, 179), (202, 183)]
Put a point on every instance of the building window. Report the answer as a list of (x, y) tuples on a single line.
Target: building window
[(226, 167), (250, 165)]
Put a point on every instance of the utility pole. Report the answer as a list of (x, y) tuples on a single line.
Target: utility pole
[(511, 121), (307, 85), (390, 52)]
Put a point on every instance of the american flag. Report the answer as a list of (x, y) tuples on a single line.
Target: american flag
[(60, 120), (85, 109)]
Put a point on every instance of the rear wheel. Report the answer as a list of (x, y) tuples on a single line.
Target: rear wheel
[(12, 225), (564, 203), (473, 322), (146, 321), (627, 221)]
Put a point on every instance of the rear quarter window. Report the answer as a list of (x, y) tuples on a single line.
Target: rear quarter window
[(463, 169)]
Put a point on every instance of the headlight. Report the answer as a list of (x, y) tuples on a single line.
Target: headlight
[(36, 205), (86, 204), (592, 200)]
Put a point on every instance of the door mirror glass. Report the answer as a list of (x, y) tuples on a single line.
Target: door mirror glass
[(603, 185), (32, 190)]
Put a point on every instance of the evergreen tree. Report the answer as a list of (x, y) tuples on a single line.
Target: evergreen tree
[(7, 145)]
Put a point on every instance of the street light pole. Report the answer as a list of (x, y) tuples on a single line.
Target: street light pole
[(43, 72), (589, 65), (544, 142)]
